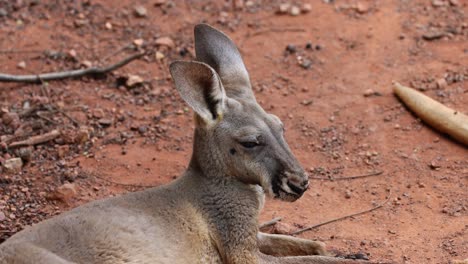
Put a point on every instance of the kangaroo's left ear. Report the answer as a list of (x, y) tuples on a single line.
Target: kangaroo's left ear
[(201, 88), (217, 50)]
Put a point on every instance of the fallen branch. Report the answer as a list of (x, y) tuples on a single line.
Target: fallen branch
[(341, 218), (35, 140), (67, 74), (435, 114), (349, 178), (270, 223)]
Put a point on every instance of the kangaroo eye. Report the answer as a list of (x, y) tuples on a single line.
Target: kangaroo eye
[(249, 144)]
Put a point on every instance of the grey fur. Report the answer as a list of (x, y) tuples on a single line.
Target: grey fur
[(209, 214)]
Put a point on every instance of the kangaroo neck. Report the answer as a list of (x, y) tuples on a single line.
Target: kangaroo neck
[(206, 160)]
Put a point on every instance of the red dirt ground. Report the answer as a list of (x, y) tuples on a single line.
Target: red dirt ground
[(341, 116)]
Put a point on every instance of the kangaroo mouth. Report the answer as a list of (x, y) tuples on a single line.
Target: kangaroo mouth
[(286, 196), (285, 190)]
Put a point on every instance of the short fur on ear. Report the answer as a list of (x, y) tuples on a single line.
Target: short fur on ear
[(217, 50), (200, 87)]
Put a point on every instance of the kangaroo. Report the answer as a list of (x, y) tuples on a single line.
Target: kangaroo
[(209, 214)]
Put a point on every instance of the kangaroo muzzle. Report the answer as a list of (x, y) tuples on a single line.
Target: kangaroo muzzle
[(291, 185)]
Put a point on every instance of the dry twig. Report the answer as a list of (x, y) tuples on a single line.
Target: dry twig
[(269, 223), (342, 218), (34, 140), (349, 178), (67, 74)]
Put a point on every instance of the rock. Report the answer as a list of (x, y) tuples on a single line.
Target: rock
[(348, 194), (140, 11), (87, 64), (291, 48), (9, 118), (62, 151), (306, 63), (165, 41), (21, 65), (108, 26), (433, 35), (159, 55), (13, 164), (142, 129), (159, 2), (295, 11), (362, 7), (105, 121), (138, 42), (438, 3), (434, 165), (64, 193), (80, 22), (441, 83), (284, 8), (72, 53), (82, 135), (370, 92), (25, 153), (238, 4), (306, 8), (2, 216), (133, 80), (455, 3), (3, 12), (98, 113)]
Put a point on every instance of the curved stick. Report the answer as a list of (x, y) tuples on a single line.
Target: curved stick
[(342, 218), (67, 74)]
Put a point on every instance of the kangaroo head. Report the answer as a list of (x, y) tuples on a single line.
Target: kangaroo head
[(234, 136)]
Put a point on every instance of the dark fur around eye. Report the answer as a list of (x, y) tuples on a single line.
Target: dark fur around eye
[(249, 144)]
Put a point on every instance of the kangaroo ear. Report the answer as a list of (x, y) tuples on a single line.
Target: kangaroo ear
[(200, 87), (217, 50)]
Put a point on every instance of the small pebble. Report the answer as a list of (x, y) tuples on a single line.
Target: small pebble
[(283, 8), (306, 63), (369, 92), (291, 48), (3, 12), (295, 11), (22, 65), (348, 194), (441, 83), (306, 8), (140, 11)]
